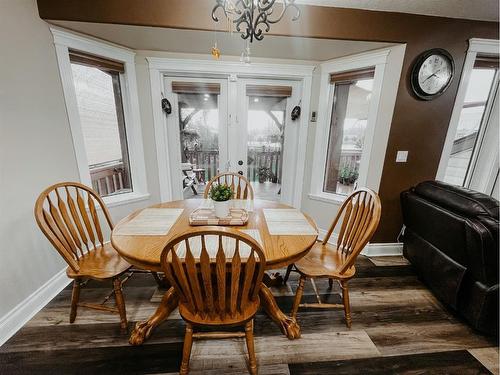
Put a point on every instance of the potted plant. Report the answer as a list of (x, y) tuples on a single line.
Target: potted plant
[(221, 194), (265, 173), (347, 176)]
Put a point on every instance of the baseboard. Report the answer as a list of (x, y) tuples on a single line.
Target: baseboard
[(372, 249), (23, 312)]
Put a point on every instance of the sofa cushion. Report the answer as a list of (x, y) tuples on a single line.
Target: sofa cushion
[(458, 199)]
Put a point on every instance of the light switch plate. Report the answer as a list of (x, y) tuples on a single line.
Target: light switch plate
[(401, 156)]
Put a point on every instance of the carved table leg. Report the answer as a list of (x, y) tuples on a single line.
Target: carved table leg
[(143, 330), (289, 326)]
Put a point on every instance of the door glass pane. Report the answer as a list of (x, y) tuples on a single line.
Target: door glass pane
[(351, 104), (469, 125), (266, 129), (199, 136), (99, 103)]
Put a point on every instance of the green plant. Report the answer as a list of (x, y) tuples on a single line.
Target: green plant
[(265, 173), (220, 193), (348, 176)]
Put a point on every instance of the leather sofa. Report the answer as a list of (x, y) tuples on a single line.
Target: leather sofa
[(451, 239)]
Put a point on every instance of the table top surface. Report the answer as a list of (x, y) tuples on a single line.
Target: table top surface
[(144, 251)]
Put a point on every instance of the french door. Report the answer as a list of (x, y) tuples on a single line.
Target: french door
[(242, 126)]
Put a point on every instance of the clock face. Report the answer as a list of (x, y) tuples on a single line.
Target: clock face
[(432, 73)]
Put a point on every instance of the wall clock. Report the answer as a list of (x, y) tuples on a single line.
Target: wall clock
[(432, 73)]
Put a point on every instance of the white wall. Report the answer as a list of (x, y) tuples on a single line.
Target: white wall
[(36, 149)]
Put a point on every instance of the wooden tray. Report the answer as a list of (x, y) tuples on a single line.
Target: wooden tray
[(206, 216)]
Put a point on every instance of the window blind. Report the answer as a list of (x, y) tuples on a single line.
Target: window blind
[(195, 88), (486, 62), (81, 58), (352, 75), (268, 90)]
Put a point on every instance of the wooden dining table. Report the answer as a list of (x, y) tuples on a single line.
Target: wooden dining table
[(144, 252)]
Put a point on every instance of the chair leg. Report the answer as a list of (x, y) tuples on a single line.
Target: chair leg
[(120, 303), (298, 296), (252, 361), (287, 274), (347, 306), (186, 349), (75, 296)]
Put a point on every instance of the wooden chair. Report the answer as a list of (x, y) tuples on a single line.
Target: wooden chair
[(361, 215), (216, 289), (239, 185), (67, 215)]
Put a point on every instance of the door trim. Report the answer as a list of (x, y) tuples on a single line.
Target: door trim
[(159, 67)]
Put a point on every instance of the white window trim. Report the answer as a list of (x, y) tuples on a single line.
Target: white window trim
[(476, 45), (159, 67), (378, 59), (63, 41)]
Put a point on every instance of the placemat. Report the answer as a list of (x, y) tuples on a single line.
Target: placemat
[(286, 221), (150, 222)]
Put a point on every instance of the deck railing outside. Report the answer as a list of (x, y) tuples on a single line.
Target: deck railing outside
[(262, 166), (109, 178)]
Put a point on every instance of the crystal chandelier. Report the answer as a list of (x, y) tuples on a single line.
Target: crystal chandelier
[(253, 17)]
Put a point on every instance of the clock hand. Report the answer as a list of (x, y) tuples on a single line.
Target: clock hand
[(430, 77), (433, 74)]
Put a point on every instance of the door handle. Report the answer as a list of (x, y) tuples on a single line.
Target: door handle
[(240, 173)]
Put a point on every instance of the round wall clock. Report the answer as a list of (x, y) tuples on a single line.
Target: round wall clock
[(432, 73)]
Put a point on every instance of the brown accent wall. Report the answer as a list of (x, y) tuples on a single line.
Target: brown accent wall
[(417, 126)]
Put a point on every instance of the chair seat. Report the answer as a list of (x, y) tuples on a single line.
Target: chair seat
[(324, 261), (239, 317), (101, 263)]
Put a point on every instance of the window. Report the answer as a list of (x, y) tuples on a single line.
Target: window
[(352, 92), (472, 120), (100, 91), (355, 107), (100, 106)]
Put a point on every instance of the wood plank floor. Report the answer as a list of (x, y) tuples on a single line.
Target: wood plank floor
[(398, 328)]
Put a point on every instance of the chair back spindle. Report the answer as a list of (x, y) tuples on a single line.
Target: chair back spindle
[(216, 283), (360, 214), (239, 184), (67, 214)]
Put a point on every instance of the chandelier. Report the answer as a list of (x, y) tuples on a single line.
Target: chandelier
[(253, 17)]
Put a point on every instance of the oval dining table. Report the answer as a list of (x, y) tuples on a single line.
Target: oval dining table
[(144, 252)]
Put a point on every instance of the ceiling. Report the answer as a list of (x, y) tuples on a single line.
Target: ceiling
[(487, 10), (194, 41)]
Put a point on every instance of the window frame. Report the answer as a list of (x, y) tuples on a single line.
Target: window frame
[(477, 47), (64, 41), (378, 60)]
